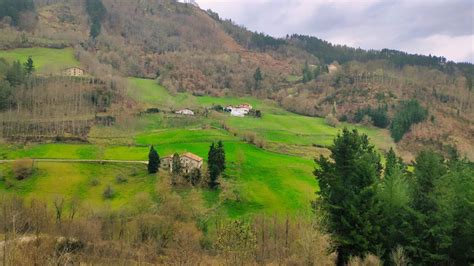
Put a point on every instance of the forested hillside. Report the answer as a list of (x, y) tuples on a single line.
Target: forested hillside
[(188, 49)]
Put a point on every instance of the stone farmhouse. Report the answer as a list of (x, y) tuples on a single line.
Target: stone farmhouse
[(189, 161), (74, 72)]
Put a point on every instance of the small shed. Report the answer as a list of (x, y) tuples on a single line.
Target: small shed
[(185, 112)]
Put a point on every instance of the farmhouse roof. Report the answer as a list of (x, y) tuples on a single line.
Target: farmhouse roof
[(192, 156), (74, 67)]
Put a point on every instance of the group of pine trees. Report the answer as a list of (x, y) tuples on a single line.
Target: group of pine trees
[(378, 115), (408, 113), (96, 11), (215, 163), (14, 75), (14, 8), (370, 209)]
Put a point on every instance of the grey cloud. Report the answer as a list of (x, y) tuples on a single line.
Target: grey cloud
[(370, 24)]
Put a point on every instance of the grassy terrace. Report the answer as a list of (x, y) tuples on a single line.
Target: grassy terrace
[(265, 180), (46, 60)]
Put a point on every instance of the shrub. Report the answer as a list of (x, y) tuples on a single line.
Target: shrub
[(109, 192), (261, 143), (343, 118), (152, 110), (120, 179), (249, 137), (22, 168), (68, 245), (331, 120), (217, 108), (236, 242), (255, 113), (95, 182), (367, 121), (8, 184)]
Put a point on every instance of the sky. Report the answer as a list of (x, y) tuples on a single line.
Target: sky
[(442, 28)]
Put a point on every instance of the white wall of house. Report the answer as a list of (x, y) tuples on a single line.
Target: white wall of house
[(185, 112)]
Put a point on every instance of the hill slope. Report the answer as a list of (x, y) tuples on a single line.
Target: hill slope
[(192, 50)]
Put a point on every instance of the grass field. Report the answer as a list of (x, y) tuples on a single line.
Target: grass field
[(46, 60), (276, 125), (277, 179), (74, 180), (266, 181)]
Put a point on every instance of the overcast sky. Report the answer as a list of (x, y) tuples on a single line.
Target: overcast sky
[(444, 28)]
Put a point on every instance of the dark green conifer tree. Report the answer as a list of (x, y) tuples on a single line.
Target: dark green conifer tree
[(432, 238), (213, 167), (153, 161), (220, 157), (348, 195), (394, 196), (307, 74), (176, 165), (29, 66), (258, 77)]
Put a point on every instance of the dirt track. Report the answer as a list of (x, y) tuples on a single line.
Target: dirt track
[(80, 161)]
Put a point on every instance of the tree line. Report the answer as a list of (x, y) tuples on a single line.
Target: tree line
[(426, 214), (14, 8), (96, 11)]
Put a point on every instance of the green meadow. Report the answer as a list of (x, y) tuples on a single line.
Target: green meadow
[(265, 181), (275, 179), (46, 60), (276, 125)]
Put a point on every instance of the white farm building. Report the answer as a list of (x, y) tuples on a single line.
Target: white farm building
[(185, 112)]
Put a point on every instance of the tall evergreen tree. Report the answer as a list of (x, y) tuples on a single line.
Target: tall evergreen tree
[(432, 238), (307, 74), (176, 165), (347, 195), (460, 183), (220, 157), (393, 163), (213, 166), (153, 161), (258, 77), (29, 66), (394, 196)]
